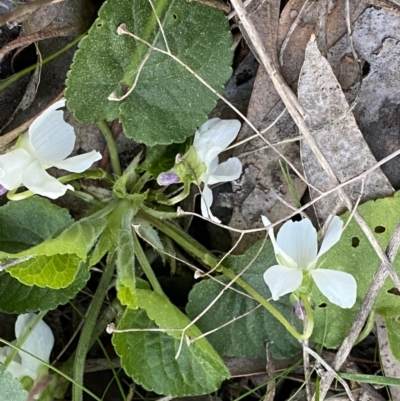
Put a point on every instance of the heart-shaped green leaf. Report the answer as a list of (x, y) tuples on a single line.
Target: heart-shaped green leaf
[(149, 357), (168, 102), (246, 336)]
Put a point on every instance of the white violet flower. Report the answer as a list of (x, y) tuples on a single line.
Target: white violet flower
[(47, 143), (211, 139), (39, 343), (296, 251)]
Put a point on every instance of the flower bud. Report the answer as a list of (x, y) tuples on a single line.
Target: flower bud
[(167, 178)]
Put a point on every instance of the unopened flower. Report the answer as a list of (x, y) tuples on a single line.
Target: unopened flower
[(47, 143), (39, 343), (296, 251), (167, 178)]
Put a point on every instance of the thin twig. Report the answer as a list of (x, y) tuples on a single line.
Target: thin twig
[(122, 30), (295, 110), (328, 370), (34, 37), (23, 10)]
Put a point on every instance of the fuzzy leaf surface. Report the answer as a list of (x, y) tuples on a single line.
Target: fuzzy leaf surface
[(11, 389), (57, 260), (149, 357), (18, 298), (29, 222), (246, 336), (168, 103)]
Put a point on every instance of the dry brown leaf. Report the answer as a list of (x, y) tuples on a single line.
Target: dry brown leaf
[(376, 40), (262, 188), (338, 136)]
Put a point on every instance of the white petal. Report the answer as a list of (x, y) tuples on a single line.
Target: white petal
[(332, 235), (12, 167), (40, 341), (281, 255), (205, 132), (220, 132), (339, 287), (51, 138), (208, 153), (299, 240), (206, 202), (215, 133), (19, 371), (80, 163), (39, 182), (282, 280), (226, 171)]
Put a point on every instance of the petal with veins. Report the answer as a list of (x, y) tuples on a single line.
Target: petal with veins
[(282, 257), (38, 181), (12, 167), (77, 164), (226, 171), (39, 342), (208, 153), (220, 132), (282, 280), (339, 287), (298, 239), (332, 235), (50, 137), (205, 133)]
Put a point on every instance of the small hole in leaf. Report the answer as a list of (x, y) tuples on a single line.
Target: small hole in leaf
[(99, 25), (174, 16), (394, 291), (366, 69), (398, 318), (355, 242), (323, 305), (380, 229)]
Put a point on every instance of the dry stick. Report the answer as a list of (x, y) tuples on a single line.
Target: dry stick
[(363, 312), (328, 369), (304, 207), (22, 11), (34, 37), (123, 30), (292, 104)]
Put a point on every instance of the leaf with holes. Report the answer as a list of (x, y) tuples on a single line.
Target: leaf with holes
[(150, 357), (167, 102), (246, 336), (354, 254)]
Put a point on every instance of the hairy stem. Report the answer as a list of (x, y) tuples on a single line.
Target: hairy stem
[(197, 250), (112, 146)]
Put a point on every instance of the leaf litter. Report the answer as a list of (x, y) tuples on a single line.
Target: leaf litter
[(369, 136)]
